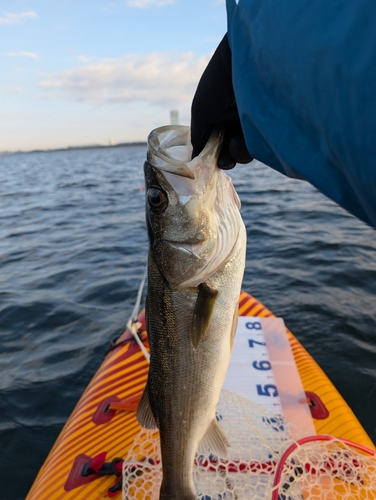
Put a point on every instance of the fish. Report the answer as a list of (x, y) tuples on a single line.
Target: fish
[(196, 260)]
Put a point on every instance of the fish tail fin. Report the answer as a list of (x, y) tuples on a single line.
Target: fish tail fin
[(214, 440)]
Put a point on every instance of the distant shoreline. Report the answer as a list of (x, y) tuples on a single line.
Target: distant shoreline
[(76, 148)]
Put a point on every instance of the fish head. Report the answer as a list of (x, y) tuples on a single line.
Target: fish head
[(192, 208)]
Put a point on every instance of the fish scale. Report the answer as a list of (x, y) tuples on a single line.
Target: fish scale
[(196, 262)]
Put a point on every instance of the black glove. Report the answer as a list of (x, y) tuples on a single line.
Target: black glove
[(214, 105)]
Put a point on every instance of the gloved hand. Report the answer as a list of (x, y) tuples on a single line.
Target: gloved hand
[(214, 105)]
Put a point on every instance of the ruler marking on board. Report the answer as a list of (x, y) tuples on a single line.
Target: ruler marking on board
[(250, 373)]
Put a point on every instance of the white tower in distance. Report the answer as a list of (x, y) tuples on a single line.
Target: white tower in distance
[(174, 117)]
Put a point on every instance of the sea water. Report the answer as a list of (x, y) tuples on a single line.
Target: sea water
[(73, 248)]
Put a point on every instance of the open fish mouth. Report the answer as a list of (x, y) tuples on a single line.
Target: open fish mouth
[(170, 150), (201, 223)]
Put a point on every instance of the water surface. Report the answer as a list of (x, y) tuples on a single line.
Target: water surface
[(73, 248)]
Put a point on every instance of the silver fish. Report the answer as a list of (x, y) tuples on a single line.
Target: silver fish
[(197, 243)]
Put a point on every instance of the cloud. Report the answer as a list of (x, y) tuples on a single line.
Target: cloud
[(159, 78), (12, 18), (32, 55), (142, 4), (13, 90), (84, 59)]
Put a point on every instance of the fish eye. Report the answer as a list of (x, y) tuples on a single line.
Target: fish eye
[(157, 199)]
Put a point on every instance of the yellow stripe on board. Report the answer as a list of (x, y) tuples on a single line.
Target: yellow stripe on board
[(86, 416), (128, 363), (91, 440), (103, 442), (76, 442), (126, 376)]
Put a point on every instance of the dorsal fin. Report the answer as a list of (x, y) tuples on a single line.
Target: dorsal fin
[(202, 312)]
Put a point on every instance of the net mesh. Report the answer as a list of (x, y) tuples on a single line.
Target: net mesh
[(265, 449)]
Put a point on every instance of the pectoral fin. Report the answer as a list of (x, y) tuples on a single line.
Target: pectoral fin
[(202, 312), (144, 413), (214, 441)]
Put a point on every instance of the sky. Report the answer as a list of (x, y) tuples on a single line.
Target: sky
[(83, 72)]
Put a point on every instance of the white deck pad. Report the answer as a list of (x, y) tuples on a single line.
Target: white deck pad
[(263, 370)]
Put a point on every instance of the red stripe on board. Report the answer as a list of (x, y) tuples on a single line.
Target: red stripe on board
[(126, 391), (245, 298), (131, 376), (252, 306), (73, 426), (100, 377), (108, 363), (259, 309), (59, 466)]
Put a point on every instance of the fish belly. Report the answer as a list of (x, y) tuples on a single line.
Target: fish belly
[(184, 383)]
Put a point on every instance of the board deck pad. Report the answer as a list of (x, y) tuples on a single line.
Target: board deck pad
[(250, 373), (263, 370)]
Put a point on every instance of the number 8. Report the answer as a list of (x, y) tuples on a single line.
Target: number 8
[(253, 326)]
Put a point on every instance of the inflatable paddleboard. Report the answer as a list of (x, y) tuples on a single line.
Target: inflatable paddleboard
[(86, 461)]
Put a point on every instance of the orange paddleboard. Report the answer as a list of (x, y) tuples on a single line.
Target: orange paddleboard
[(104, 425)]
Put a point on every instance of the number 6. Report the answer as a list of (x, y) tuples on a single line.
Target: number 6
[(262, 365)]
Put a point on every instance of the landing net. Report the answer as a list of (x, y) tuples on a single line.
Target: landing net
[(268, 459)]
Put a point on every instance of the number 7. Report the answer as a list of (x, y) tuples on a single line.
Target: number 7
[(251, 342)]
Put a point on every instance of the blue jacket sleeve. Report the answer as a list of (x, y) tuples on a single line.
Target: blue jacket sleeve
[(304, 76)]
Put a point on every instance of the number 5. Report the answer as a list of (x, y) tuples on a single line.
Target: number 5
[(267, 390)]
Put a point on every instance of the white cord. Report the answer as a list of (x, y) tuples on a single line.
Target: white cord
[(133, 325)]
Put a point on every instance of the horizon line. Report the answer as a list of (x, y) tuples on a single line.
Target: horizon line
[(72, 148)]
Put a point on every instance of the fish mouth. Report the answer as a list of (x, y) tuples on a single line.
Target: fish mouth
[(199, 188), (170, 150)]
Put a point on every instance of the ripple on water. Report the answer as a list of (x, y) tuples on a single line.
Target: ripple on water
[(72, 252)]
